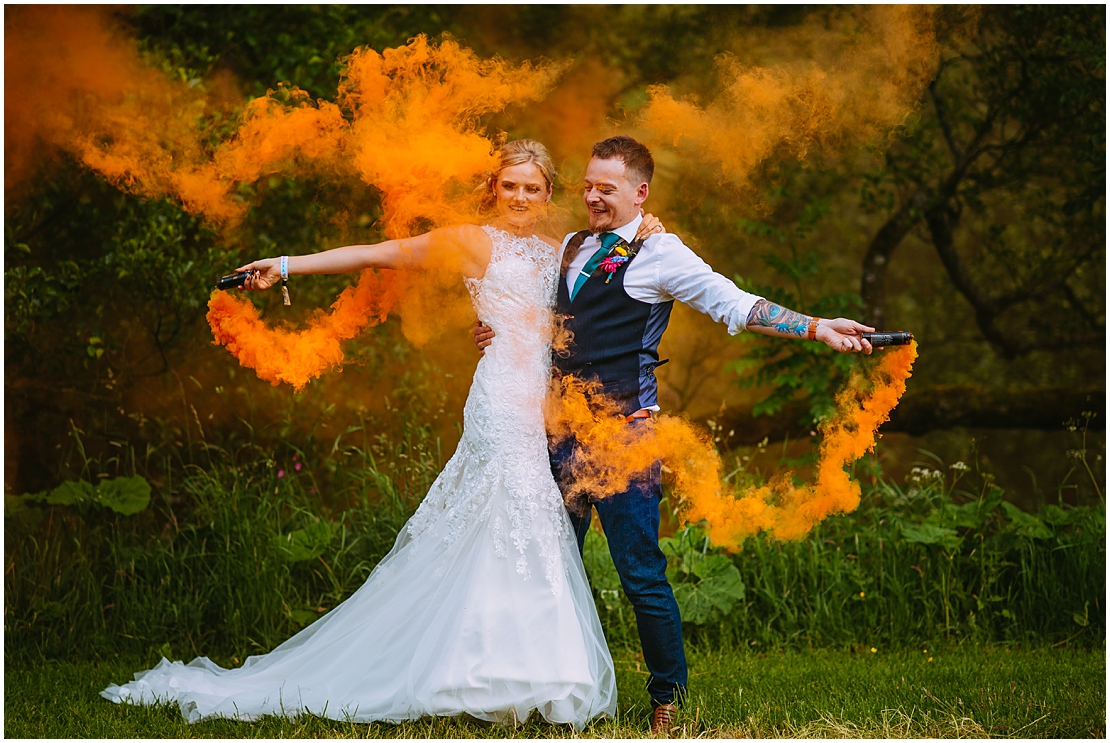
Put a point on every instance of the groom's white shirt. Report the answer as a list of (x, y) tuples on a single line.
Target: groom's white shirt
[(666, 269)]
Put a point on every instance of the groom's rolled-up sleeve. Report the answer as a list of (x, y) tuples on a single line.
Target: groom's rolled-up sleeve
[(682, 275)]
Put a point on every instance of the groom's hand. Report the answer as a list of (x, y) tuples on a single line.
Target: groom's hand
[(483, 336), (844, 335)]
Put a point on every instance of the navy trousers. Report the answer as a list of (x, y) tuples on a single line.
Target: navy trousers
[(631, 524)]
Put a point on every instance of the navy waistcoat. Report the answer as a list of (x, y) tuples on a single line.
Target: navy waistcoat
[(615, 338)]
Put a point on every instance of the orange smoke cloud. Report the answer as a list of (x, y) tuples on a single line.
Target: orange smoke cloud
[(415, 136), (74, 84), (574, 116), (296, 358), (415, 132), (870, 69), (69, 79), (406, 121), (612, 452)]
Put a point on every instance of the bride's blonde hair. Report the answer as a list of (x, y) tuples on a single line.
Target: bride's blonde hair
[(517, 152)]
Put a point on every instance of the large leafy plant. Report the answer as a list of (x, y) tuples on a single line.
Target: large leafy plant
[(706, 583)]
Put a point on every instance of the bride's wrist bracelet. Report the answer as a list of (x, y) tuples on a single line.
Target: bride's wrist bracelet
[(285, 280)]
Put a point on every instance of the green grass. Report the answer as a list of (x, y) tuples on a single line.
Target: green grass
[(964, 691)]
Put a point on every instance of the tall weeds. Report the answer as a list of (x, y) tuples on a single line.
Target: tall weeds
[(239, 549), (229, 559), (920, 563)]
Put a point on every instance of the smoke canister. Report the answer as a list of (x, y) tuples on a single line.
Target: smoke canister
[(895, 338), (232, 280)]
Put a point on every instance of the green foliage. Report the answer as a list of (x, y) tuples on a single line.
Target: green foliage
[(916, 564), (299, 45), (789, 369), (145, 280), (233, 558), (1006, 165), (304, 544), (123, 495), (706, 584), (229, 559)]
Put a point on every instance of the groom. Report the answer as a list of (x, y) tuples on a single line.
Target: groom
[(617, 318)]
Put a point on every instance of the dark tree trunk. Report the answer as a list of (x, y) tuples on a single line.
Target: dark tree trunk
[(877, 259)]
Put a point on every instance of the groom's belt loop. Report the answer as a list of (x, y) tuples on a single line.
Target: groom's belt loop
[(638, 414)]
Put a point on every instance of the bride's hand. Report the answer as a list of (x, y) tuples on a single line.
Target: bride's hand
[(266, 273), (650, 226)]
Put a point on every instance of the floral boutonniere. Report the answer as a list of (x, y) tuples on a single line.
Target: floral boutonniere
[(620, 254)]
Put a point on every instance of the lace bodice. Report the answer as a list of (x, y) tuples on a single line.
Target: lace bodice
[(504, 445), (517, 294)]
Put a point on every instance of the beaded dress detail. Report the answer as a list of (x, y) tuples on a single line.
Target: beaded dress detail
[(482, 606)]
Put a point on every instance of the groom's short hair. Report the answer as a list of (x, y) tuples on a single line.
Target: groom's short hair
[(638, 162)]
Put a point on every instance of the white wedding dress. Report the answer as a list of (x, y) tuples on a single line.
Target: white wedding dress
[(482, 605)]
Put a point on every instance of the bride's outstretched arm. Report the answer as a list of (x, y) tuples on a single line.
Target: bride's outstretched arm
[(465, 248)]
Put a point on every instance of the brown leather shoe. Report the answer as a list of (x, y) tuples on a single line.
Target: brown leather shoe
[(662, 720)]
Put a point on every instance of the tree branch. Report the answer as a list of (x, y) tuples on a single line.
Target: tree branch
[(1077, 303), (942, 119), (941, 221)]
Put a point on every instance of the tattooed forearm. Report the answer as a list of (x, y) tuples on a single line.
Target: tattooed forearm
[(779, 319)]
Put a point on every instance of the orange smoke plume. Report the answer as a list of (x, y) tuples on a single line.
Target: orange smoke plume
[(70, 80), (611, 453), (867, 71), (406, 121), (414, 135), (297, 357), (415, 132)]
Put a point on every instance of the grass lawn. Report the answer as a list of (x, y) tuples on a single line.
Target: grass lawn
[(958, 691)]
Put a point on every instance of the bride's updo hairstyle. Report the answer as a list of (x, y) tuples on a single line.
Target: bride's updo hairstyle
[(517, 152)]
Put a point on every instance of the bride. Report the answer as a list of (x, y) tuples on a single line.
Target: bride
[(482, 606)]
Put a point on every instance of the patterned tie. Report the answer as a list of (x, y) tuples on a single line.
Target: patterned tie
[(608, 239)]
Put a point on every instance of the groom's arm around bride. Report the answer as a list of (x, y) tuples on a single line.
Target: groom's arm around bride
[(615, 295)]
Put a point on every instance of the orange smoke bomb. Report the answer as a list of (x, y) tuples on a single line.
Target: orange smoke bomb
[(611, 453), (296, 358)]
